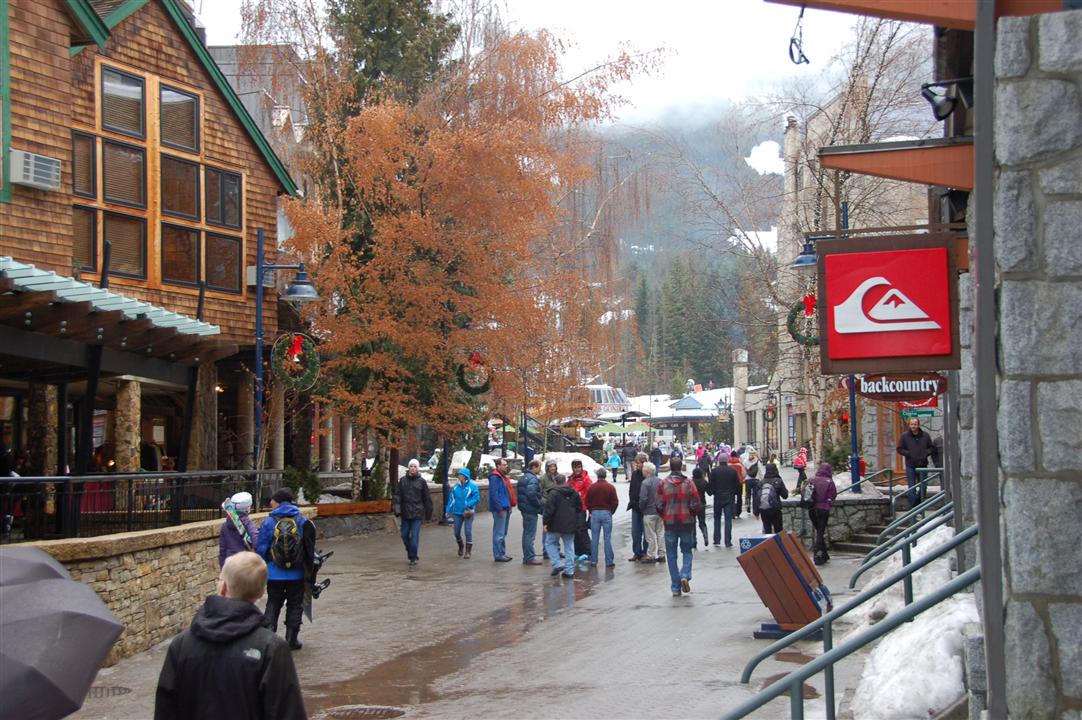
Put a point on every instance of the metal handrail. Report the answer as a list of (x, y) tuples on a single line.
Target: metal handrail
[(922, 483), (910, 514), (867, 479), (826, 621), (794, 681), (882, 547), (903, 547)]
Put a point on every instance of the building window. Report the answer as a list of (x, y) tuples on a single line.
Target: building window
[(84, 238), (749, 422), (180, 187), (84, 180), (124, 174), (223, 263), (123, 102), (223, 198), (127, 237), (179, 119), (180, 255)]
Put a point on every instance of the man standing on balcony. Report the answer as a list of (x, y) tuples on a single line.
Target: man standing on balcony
[(915, 446)]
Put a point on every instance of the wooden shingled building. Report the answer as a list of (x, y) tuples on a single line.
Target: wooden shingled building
[(133, 183)]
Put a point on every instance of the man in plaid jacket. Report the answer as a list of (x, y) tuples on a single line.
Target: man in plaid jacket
[(678, 503)]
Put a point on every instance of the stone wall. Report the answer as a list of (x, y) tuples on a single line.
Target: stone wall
[(1037, 217), (850, 516), (152, 580)]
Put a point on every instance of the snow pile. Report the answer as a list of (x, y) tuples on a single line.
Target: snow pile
[(563, 462), (461, 458), (916, 670)]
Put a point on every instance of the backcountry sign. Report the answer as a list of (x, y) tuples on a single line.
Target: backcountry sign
[(888, 303), (901, 387)]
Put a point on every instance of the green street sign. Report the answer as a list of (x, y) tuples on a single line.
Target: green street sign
[(917, 413)]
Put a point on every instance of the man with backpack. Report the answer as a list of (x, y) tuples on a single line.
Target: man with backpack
[(282, 543)]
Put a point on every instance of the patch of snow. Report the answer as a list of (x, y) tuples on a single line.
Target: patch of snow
[(563, 462), (916, 670)]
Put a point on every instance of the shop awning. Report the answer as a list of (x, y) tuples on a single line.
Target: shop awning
[(957, 14), (947, 162), (48, 318)]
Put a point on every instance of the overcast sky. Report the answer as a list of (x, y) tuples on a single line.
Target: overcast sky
[(717, 49)]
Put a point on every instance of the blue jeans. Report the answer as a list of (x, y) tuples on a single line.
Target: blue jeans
[(461, 520), (529, 535), (685, 538), (411, 536), (499, 533), (552, 548), (638, 537), (601, 520), (726, 509), (915, 492)]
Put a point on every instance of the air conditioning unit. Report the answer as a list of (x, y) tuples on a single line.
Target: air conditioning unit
[(32, 170), (269, 281)]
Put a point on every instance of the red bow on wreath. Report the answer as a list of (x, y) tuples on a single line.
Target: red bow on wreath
[(809, 305), (295, 350), (475, 359)]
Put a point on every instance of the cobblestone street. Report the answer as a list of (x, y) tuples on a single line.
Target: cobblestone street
[(472, 638)]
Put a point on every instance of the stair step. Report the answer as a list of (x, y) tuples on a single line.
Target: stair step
[(864, 538), (851, 547)]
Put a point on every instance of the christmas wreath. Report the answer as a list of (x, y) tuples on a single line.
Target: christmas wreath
[(805, 307), (295, 361), (479, 380), (770, 413)]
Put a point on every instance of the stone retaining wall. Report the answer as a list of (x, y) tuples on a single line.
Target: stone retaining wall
[(152, 580), (850, 516)]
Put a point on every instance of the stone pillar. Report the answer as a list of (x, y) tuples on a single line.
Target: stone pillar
[(245, 422), (277, 431), (127, 430), (691, 437), (1037, 213), (326, 440), (203, 450), (740, 396), (345, 442), (41, 429)]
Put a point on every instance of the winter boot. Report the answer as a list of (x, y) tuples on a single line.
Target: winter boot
[(460, 548), (469, 549), (291, 638)]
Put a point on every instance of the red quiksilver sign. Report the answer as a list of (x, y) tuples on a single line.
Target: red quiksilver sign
[(888, 303)]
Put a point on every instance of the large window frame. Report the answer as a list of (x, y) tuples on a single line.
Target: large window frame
[(93, 194), (105, 176), (166, 87), (142, 134), (93, 266), (144, 240), (155, 221)]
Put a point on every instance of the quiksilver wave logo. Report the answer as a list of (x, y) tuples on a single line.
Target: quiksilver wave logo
[(893, 312)]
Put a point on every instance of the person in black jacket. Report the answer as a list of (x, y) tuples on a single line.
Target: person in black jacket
[(915, 446), (771, 516), (227, 665), (698, 477), (725, 487), (638, 535), (413, 504), (563, 513)]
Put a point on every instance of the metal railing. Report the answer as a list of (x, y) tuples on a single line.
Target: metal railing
[(927, 518), (910, 515), (870, 479), (906, 542), (921, 486), (40, 508), (825, 623), (794, 681)]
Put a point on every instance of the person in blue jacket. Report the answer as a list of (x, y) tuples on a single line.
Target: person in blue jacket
[(281, 543), (500, 502), (461, 505)]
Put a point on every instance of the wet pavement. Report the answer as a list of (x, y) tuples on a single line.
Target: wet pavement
[(455, 638)]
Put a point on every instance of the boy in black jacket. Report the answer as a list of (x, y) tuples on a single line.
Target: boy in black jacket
[(227, 664)]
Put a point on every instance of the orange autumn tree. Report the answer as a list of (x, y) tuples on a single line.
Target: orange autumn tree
[(460, 193)]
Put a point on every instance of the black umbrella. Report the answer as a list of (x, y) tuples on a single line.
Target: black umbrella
[(56, 633)]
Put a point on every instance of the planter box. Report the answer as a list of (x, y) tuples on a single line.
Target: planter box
[(367, 507)]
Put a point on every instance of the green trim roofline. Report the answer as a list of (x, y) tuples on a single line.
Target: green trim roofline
[(127, 9), (5, 102), (88, 20)]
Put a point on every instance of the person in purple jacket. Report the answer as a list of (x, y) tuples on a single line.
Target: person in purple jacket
[(230, 540), (822, 501)]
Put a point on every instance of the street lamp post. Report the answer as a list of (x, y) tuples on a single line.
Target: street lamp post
[(300, 291)]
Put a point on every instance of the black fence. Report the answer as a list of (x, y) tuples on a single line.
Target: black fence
[(46, 508)]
